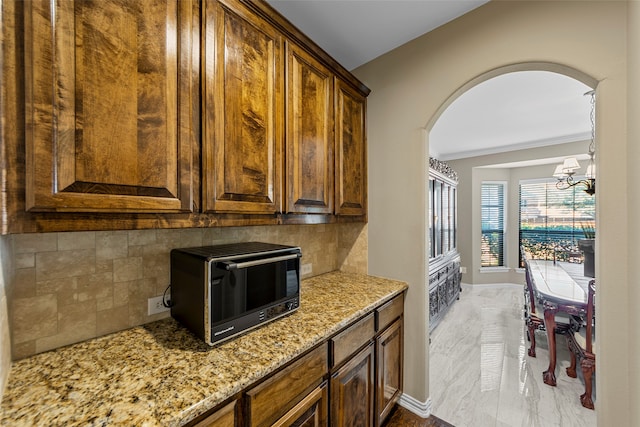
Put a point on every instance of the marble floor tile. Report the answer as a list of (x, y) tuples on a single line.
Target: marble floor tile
[(481, 375)]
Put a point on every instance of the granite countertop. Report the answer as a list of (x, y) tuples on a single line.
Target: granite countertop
[(159, 374)]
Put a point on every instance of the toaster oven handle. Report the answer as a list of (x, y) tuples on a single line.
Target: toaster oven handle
[(228, 265)]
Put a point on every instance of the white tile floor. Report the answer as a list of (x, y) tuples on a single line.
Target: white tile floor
[(481, 375)]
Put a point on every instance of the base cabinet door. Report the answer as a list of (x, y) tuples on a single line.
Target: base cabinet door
[(389, 347), (310, 412), (224, 417), (280, 400), (352, 389)]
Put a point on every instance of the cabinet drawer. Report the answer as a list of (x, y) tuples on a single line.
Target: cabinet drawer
[(351, 339), (390, 311), (274, 397)]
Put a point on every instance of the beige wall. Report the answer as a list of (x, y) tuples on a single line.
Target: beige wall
[(414, 83), (70, 287), (472, 172), (633, 230)]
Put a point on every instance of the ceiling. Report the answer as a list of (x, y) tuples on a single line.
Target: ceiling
[(512, 111), (356, 31)]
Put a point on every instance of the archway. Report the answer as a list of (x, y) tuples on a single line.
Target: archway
[(487, 159)]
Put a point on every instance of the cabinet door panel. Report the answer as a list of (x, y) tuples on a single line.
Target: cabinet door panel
[(351, 156), (352, 391), (243, 111), (224, 417), (390, 373), (309, 134), (269, 400), (310, 412), (109, 89)]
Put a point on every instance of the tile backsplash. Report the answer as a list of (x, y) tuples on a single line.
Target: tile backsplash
[(69, 287), (6, 273)]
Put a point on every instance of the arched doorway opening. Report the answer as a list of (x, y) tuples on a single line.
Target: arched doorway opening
[(524, 159)]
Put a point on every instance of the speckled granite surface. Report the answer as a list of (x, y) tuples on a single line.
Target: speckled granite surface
[(161, 375)]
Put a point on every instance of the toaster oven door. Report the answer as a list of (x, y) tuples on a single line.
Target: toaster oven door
[(239, 288)]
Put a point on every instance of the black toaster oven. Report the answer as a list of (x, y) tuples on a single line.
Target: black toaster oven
[(221, 291)]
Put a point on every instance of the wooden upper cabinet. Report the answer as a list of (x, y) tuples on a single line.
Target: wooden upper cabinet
[(309, 134), (109, 90), (351, 154), (243, 111)]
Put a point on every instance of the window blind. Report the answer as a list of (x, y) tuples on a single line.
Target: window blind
[(493, 222), (552, 220)]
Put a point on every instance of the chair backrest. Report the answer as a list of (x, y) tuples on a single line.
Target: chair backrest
[(528, 282), (591, 292)]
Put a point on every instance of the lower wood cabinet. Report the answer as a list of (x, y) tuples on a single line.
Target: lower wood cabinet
[(223, 417), (353, 379), (444, 286), (389, 350), (269, 401), (352, 388), (310, 412)]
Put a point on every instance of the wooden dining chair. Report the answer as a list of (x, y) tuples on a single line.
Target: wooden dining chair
[(581, 342), (532, 320), (534, 312)]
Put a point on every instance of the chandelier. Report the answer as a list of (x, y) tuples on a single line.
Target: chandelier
[(567, 169)]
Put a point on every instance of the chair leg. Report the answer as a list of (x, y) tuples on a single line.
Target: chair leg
[(532, 338), (571, 370), (588, 367)]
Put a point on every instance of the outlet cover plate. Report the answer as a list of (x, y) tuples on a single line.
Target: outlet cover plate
[(155, 306), (306, 269)]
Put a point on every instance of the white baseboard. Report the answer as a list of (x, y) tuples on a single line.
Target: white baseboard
[(422, 409)]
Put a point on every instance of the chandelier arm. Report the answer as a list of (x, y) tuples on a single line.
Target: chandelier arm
[(564, 171), (568, 182)]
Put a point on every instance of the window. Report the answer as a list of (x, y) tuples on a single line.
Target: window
[(493, 224), (552, 221)]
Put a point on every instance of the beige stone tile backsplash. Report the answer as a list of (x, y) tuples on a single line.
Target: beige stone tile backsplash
[(69, 287), (6, 276)]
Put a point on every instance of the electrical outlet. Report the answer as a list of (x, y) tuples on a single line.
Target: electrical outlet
[(306, 269), (155, 306), (463, 270)]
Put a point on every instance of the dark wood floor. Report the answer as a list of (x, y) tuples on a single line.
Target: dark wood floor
[(401, 417)]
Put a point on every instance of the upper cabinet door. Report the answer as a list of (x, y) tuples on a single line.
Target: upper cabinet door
[(243, 111), (309, 137), (109, 115), (351, 154)]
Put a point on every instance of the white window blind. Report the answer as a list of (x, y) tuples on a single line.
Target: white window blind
[(552, 220), (493, 224)]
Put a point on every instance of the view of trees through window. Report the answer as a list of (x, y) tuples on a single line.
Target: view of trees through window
[(552, 220)]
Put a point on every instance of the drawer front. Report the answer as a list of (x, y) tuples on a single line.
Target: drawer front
[(274, 397), (390, 312), (351, 339)]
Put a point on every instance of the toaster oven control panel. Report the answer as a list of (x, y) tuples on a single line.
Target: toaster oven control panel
[(278, 310)]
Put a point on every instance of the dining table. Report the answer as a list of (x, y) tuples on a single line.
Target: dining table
[(558, 291)]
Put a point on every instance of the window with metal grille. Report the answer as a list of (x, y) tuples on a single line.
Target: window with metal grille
[(493, 224)]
